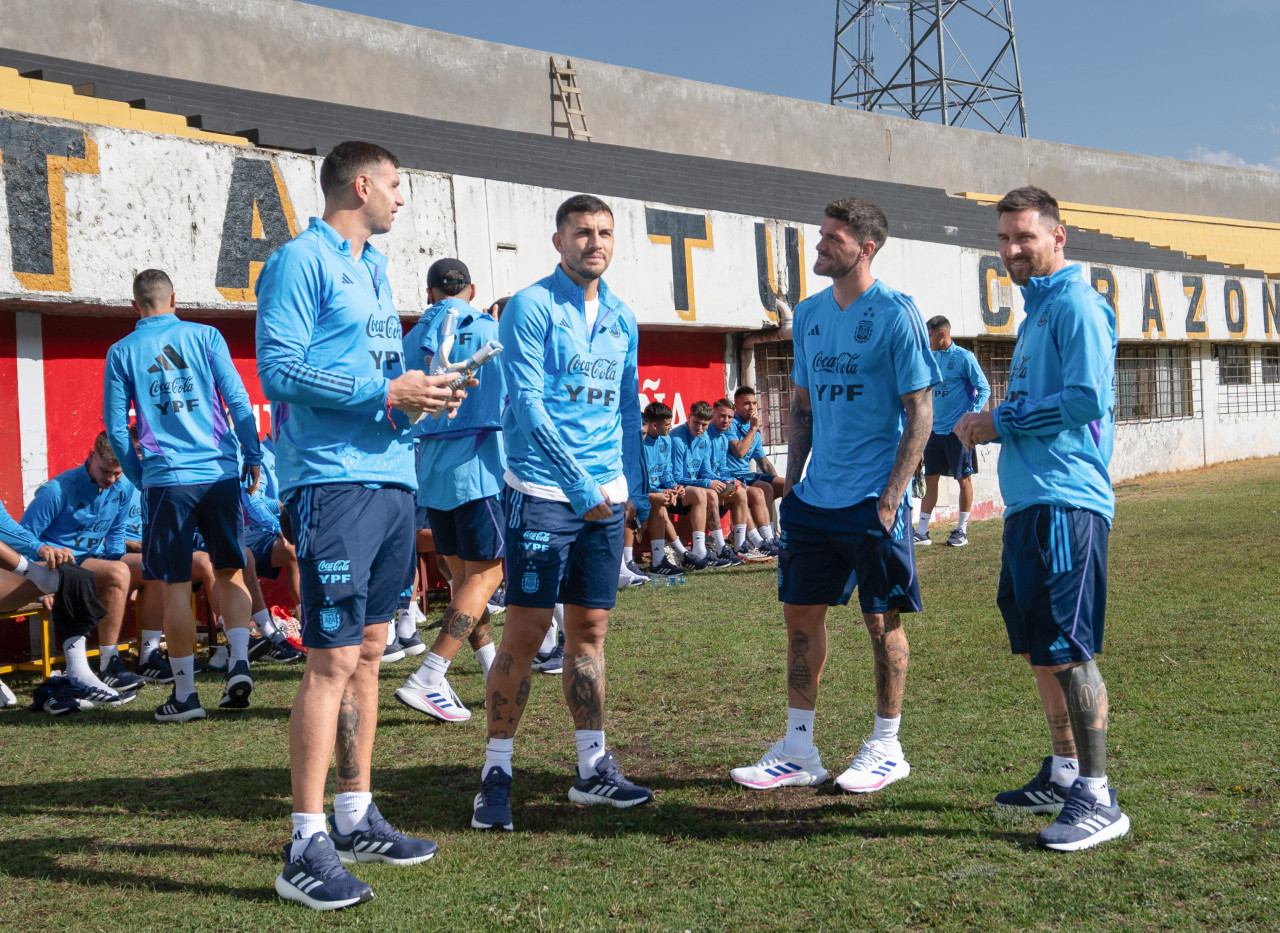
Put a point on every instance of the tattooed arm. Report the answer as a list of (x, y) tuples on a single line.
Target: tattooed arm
[(919, 408), (799, 436)]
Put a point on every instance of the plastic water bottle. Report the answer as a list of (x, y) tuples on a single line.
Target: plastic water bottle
[(659, 579)]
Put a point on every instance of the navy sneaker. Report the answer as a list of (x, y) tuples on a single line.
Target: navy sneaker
[(284, 653), (258, 646), (492, 806), (665, 569), (549, 662), (154, 668), (412, 645), (318, 880), (71, 696), (695, 563), (1084, 822), (392, 652), (238, 686), (116, 676), (381, 842), (729, 554), (497, 602), (173, 711), (1038, 795), (609, 786)]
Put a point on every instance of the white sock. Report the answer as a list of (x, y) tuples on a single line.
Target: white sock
[(886, 730), (78, 663), (657, 553), (46, 580), (590, 750), (964, 522), (484, 657), (351, 811), (405, 626), (105, 654), (150, 641), (922, 526), (766, 532), (184, 676), (799, 737), (222, 624), (238, 644), (433, 669), (628, 553), (262, 619), (739, 536), (549, 639), (717, 537), (679, 546), (305, 825), (699, 545), (1064, 771), (557, 616), (497, 754), (391, 634), (1098, 787), (754, 537)]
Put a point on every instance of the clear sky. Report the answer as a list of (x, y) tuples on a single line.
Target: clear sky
[(1190, 80)]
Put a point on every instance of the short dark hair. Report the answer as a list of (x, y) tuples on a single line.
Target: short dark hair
[(499, 306), (656, 411), (102, 447), (743, 390), (1030, 198), (938, 323), (346, 161), (864, 219), (724, 403), (151, 287), (700, 410), (581, 204)]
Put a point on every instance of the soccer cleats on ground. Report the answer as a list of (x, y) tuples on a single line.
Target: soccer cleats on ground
[(778, 769)]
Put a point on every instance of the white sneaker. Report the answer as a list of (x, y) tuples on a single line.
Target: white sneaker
[(438, 702), (418, 617), (875, 766), (219, 660), (7, 697), (778, 769)]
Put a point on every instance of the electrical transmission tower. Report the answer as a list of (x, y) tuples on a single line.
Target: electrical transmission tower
[(953, 62)]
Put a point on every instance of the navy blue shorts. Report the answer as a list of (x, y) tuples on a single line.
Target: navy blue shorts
[(421, 520), (944, 455), (473, 531), (1053, 583), (261, 542), (553, 556), (825, 553), (356, 554), (750, 479), (171, 517)]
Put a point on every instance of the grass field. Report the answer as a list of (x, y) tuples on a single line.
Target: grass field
[(109, 821)]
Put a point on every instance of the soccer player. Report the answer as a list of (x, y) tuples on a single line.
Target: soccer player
[(30, 572), (692, 465), (660, 491), (179, 379), (86, 510), (862, 405), (572, 430), (267, 553), (964, 389), (1056, 428), (460, 484), (330, 360), (752, 539), (748, 444)]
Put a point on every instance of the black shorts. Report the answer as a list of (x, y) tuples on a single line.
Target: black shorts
[(171, 517)]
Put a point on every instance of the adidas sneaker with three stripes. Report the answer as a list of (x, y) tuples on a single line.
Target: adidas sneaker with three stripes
[(1084, 822), (778, 769), (608, 785), (1038, 795), (876, 766), (317, 878), (381, 842)]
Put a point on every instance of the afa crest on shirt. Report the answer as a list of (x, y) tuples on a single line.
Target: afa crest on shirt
[(863, 332)]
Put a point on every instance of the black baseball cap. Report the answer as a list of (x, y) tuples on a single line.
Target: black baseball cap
[(447, 272)]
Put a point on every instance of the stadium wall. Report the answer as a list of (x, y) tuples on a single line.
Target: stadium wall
[(116, 200)]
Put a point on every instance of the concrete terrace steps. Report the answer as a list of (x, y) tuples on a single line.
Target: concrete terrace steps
[(692, 182)]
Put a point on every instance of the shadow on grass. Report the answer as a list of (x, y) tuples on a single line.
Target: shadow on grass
[(41, 859), (431, 799)]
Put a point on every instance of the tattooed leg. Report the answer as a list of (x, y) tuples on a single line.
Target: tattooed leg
[(473, 584), (482, 634), (892, 653), (806, 653), (1086, 696), (1054, 702), (509, 677), (583, 680)]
